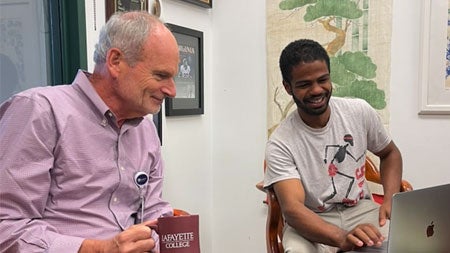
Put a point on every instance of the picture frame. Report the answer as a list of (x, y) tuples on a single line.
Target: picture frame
[(113, 6), (189, 80), (434, 90), (202, 3)]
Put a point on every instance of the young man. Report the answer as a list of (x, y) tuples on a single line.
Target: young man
[(315, 160), (77, 161)]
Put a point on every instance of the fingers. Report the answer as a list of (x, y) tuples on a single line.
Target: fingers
[(365, 235), (135, 239), (382, 218), (153, 224), (136, 246), (384, 215), (382, 222), (144, 245), (354, 240)]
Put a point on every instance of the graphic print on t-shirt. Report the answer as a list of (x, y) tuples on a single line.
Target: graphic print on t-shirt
[(339, 153)]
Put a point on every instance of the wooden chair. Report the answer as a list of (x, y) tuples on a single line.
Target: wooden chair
[(275, 221), (179, 212)]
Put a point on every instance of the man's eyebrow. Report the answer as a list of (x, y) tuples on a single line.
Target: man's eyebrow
[(304, 81), (161, 72), (165, 74)]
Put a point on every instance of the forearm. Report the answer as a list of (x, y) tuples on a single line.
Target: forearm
[(98, 246), (136, 238), (312, 227), (27, 235), (308, 224), (391, 172)]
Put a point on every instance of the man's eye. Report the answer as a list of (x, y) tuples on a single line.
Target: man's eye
[(324, 80), (159, 76), (302, 85)]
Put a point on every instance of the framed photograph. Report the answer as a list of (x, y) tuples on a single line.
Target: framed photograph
[(202, 3), (113, 6), (157, 120), (434, 79), (189, 80)]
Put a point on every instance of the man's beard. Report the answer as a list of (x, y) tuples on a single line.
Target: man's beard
[(303, 105)]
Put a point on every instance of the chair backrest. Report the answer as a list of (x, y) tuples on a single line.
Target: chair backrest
[(275, 221)]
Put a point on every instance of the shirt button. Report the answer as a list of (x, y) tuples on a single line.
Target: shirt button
[(104, 122), (122, 168), (115, 199)]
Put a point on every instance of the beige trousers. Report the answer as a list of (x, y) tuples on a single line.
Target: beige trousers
[(346, 218)]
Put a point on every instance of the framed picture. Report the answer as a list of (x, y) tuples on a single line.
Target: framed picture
[(157, 120), (189, 80), (434, 79), (113, 6), (202, 3)]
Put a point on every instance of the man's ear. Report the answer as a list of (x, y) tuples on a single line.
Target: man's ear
[(287, 87), (113, 61)]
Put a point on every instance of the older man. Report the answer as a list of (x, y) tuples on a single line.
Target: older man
[(80, 166)]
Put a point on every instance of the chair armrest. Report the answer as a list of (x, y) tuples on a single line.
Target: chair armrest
[(373, 175), (179, 212), (274, 224), (260, 186), (405, 186)]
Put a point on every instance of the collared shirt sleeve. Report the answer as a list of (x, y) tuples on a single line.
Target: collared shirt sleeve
[(27, 137)]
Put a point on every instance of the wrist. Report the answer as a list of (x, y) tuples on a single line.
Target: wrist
[(339, 239)]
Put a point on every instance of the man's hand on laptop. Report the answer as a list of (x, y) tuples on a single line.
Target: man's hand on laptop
[(361, 236), (385, 213)]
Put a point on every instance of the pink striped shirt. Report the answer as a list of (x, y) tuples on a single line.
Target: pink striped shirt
[(67, 170)]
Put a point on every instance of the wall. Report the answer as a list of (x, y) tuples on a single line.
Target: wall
[(423, 140), (222, 151), (213, 161), (239, 125), (187, 140)]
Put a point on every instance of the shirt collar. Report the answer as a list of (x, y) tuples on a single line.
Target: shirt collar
[(82, 81)]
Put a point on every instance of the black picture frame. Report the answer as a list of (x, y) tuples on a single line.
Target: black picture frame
[(202, 3), (157, 120), (113, 6), (189, 80)]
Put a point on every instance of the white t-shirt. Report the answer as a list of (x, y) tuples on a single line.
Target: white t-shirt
[(329, 161)]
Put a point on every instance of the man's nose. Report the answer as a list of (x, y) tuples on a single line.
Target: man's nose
[(170, 89)]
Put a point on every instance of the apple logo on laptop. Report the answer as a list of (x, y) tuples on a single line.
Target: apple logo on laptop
[(430, 229)]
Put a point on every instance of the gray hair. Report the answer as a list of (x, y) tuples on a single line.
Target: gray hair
[(127, 31)]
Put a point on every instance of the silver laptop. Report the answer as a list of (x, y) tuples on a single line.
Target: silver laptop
[(420, 222)]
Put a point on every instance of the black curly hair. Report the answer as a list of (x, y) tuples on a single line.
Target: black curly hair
[(300, 51)]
